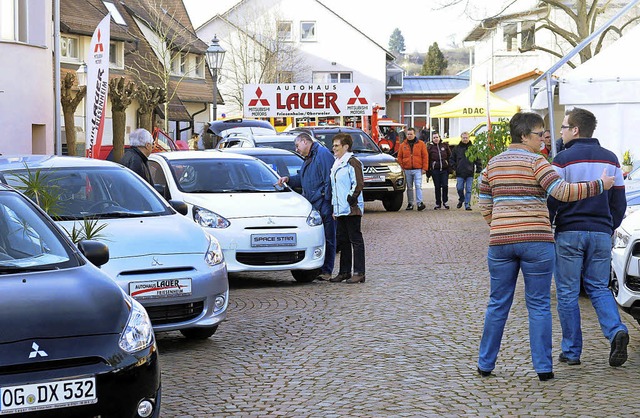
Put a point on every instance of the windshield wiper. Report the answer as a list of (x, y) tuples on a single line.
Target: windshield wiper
[(4, 269), (121, 214), (365, 150)]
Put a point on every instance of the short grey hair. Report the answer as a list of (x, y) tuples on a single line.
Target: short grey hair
[(303, 137), (140, 138)]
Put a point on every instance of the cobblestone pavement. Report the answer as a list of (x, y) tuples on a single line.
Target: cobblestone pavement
[(403, 344)]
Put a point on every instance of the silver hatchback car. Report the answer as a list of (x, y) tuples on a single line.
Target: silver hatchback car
[(157, 256)]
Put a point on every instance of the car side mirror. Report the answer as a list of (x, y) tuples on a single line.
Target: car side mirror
[(179, 206), (96, 252)]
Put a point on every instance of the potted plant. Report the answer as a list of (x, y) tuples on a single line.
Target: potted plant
[(627, 162)]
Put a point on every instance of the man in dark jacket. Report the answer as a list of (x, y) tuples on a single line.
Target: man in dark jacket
[(315, 179), (136, 157), (464, 170), (583, 238)]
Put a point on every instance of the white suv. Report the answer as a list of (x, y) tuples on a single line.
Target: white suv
[(625, 265)]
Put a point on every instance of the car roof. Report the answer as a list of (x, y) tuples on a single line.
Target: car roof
[(218, 126), (276, 138), (260, 151), (194, 155), (14, 162)]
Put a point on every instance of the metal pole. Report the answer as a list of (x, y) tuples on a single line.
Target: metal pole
[(214, 106), (56, 80)]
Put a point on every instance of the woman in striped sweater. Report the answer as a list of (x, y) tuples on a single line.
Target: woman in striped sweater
[(513, 194)]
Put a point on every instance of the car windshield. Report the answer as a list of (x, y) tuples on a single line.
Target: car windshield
[(213, 175), (284, 165), (361, 141), (287, 145), (105, 192), (27, 240), (255, 130)]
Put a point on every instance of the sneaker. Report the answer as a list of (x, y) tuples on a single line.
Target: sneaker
[(467, 208), (618, 354), (484, 373), (356, 278), (459, 205), (409, 207), (570, 362), (445, 206), (421, 206), (437, 207), (545, 376)]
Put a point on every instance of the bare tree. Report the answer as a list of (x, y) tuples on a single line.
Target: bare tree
[(259, 50), (70, 101), (585, 16), (148, 97), (120, 94), (173, 56)]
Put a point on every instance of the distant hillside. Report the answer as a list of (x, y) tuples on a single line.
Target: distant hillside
[(458, 60)]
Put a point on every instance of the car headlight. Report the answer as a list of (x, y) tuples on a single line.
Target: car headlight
[(314, 218), (395, 168), (621, 239), (214, 252), (209, 219), (138, 333)]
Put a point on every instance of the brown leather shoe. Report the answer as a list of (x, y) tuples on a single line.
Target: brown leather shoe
[(340, 277), (356, 278), (324, 277)]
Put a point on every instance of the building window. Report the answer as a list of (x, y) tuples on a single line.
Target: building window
[(69, 47), (14, 22), (518, 35), (285, 31), (307, 31), (177, 66), (328, 77), (199, 70), (285, 77), (113, 54), (394, 78), (415, 114), (115, 14), (183, 63)]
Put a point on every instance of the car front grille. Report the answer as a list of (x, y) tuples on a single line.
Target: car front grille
[(633, 283), (376, 169), (168, 314), (50, 365), (270, 259)]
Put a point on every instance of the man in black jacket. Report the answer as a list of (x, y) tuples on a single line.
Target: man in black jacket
[(136, 157), (464, 171)]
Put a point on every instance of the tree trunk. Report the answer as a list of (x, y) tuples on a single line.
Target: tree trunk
[(69, 102), (148, 97), (120, 95)]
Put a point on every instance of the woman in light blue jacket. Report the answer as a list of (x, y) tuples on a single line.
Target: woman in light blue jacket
[(347, 182)]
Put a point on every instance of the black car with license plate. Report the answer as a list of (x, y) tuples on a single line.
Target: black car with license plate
[(72, 343), (383, 177)]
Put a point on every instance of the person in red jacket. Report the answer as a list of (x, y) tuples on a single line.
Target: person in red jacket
[(414, 159)]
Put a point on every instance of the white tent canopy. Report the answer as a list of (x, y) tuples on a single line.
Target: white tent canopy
[(609, 86)]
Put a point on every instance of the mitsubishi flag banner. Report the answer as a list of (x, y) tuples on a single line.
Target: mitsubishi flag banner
[(307, 100), (97, 86)]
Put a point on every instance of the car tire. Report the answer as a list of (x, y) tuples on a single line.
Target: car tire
[(394, 202), (199, 333), (305, 276)]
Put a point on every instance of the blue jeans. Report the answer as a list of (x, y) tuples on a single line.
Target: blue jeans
[(536, 260), (586, 254), (463, 185), (414, 177)]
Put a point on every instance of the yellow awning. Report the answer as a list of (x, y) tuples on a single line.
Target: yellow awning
[(472, 103)]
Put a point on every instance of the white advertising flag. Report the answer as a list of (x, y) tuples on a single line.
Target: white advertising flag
[(97, 86)]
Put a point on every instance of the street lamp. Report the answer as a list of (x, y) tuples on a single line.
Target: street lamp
[(81, 74), (215, 56)]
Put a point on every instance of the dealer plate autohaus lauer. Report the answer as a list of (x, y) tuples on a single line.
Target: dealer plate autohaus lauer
[(160, 288)]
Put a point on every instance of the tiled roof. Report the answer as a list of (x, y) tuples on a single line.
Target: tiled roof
[(431, 85), (82, 16)]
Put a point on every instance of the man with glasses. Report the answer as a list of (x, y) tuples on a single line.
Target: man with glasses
[(583, 238), (314, 178)]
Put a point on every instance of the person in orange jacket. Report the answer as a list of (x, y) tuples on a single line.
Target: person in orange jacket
[(414, 160)]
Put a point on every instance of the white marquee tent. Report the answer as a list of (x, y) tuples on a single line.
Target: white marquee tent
[(609, 86)]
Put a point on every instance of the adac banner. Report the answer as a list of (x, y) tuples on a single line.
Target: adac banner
[(97, 86), (307, 100)]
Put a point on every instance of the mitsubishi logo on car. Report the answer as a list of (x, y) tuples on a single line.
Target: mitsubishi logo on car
[(270, 221), (155, 262), (36, 351), (370, 170)]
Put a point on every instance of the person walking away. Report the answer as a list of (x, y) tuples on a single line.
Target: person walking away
[(314, 178), (439, 155), (347, 182), (513, 192), (414, 160), (136, 157), (464, 170), (583, 239)]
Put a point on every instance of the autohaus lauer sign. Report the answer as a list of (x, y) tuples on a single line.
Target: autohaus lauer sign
[(307, 100)]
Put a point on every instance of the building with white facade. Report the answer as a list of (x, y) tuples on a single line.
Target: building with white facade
[(26, 78)]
